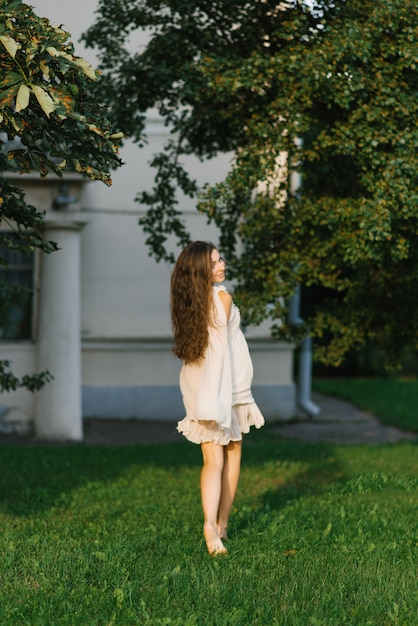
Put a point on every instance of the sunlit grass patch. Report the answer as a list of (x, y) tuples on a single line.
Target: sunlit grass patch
[(393, 400)]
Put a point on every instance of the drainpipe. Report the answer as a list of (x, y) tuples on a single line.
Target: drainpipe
[(305, 357), (305, 361)]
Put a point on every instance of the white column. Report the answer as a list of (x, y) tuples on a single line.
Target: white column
[(58, 405)]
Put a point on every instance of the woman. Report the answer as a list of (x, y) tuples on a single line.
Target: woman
[(215, 380)]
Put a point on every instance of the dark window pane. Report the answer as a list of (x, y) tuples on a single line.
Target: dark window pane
[(16, 295)]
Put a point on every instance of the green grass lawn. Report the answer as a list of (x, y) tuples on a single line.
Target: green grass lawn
[(320, 535), (393, 400)]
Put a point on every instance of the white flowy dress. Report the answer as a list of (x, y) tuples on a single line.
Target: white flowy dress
[(217, 391)]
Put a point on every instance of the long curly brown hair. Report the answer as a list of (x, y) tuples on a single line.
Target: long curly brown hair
[(191, 301)]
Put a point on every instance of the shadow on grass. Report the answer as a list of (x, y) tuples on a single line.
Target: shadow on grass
[(34, 477)]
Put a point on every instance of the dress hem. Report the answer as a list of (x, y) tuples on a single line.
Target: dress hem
[(244, 416)]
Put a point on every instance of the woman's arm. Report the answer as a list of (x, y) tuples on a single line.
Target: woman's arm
[(226, 300)]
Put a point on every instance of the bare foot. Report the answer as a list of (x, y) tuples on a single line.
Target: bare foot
[(213, 541)]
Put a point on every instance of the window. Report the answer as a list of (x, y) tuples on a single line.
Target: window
[(16, 295)]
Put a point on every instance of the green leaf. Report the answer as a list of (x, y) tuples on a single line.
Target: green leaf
[(11, 78), (44, 99), (52, 51), (86, 68), (7, 97), (22, 98), (11, 45)]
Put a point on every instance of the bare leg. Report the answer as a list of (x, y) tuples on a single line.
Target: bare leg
[(229, 484), (210, 487)]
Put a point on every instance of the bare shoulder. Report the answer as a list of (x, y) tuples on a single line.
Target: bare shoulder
[(226, 300)]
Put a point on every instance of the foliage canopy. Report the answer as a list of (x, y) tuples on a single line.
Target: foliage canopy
[(49, 123), (333, 87)]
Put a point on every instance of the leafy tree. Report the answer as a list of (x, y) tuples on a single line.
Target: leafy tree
[(325, 92), (49, 122)]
